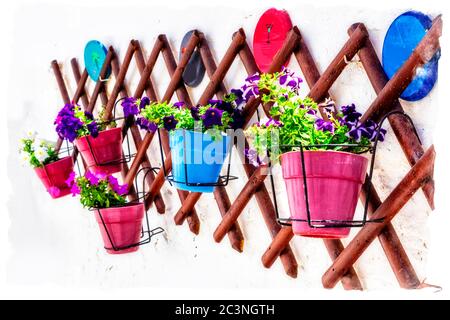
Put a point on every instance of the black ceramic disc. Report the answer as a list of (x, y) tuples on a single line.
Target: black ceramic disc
[(195, 70)]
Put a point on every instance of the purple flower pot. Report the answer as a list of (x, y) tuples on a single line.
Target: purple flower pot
[(334, 180)]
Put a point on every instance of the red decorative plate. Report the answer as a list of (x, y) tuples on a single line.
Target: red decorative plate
[(270, 32)]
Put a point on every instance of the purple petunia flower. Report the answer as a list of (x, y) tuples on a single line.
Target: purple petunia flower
[(75, 190), (253, 157), (222, 105), (238, 93), (194, 112), (101, 175), (89, 115), (179, 104), (92, 178), (381, 136), (113, 180), (93, 129), (250, 91), (238, 119), (368, 130), (170, 123), (129, 107), (116, 187), (282, 80), (289, 79), (71, 179), (253, 78), (129, 100), (152, 127), (212, 116), (67, 125), (145, 101), (346, 110), (355, 133), (68, 128), (215, 101), (351, 116), (144, 124), (324, 125), (273, 122), (122, 190), (67, 110)]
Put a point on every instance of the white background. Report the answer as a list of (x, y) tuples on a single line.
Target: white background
[(52, 248)]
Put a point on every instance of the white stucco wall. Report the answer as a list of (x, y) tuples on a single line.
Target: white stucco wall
[(57, 242)]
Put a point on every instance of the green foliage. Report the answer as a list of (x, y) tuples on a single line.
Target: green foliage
[(98, 196), (36, 152), (102, 125), (296, 123), (156, 112), (272, 91)]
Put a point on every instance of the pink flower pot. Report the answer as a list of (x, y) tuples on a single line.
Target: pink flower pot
[(124, 225), (334, 180), (54, 176), (105, 151)]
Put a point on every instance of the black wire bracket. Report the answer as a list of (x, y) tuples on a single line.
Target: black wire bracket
[(336, 223), (222, 181), (147, 233)]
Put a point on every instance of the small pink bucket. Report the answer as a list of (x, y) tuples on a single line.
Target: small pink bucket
[(334, 180), (54, 176), (124, 225), (106, 148)]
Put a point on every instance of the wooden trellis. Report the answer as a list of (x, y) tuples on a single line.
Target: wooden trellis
[(388, 92)]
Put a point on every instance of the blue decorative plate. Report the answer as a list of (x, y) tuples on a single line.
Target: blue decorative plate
[(402, 37), (94, 57)]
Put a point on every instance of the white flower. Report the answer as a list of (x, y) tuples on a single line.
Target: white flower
[(40, 154), (31, 134), (38, 143), (48, 145), (25, 158)]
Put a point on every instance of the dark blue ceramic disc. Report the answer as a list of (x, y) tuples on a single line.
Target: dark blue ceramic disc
[(195, 70), (94, 57), (402, 37)]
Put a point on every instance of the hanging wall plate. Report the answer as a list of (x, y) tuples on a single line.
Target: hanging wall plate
[(195, 70), (270, 33), (403, 35), (94, 57)]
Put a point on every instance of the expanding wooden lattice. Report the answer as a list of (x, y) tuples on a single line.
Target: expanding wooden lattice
[(388, 92)]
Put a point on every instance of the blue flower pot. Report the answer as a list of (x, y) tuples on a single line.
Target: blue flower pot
[(204, 159)]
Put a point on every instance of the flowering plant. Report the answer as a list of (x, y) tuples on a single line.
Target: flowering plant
[(37, 152), (217, 116), (270, 87), (97, 190), (72, 122), (295, 121)]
